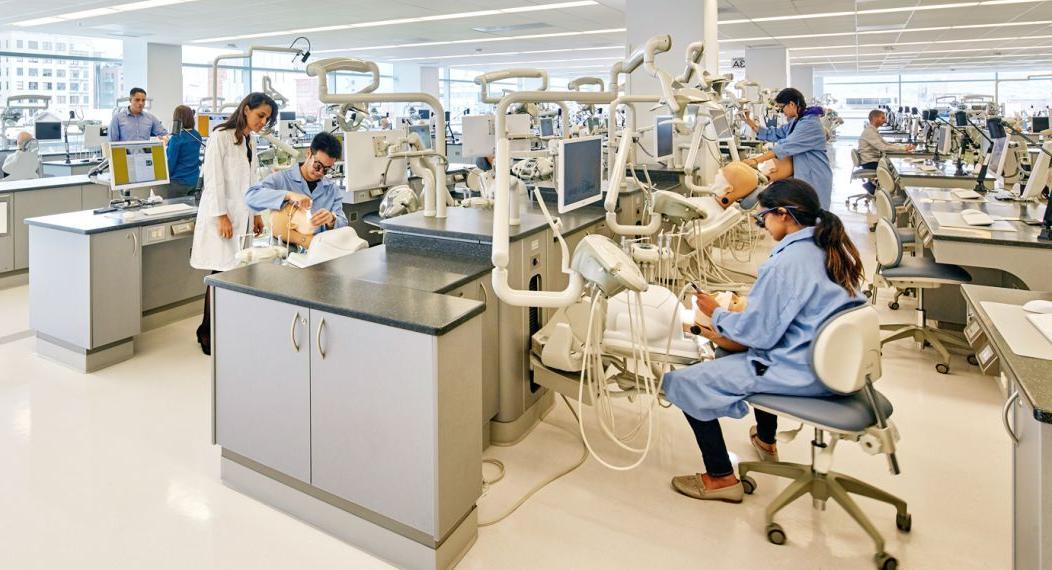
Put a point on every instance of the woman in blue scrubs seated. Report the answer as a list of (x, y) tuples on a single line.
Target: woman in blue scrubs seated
[(184, 155), (803, 139), (813, 273)]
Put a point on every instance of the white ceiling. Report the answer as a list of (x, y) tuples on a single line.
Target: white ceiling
[(1004, 34)]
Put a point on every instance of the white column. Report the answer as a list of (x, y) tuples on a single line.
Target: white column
[(802, 77), (711, 37), (429, 80), (134, 65), (157, 68), (769, 66)]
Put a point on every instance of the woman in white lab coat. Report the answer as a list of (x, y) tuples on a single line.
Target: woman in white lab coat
[(230, 168)]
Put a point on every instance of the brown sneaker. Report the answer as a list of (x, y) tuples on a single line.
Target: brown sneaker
[(763, 454), (692, 486)]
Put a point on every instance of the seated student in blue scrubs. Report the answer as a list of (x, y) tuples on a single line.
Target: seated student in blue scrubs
[(813, 273), (184, 155), (307, 188)]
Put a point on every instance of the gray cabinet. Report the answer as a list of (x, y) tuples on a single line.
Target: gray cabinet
[(1031, 488), (32, 204), (7, 237), (489, 350), (116, 281), (262, 387)]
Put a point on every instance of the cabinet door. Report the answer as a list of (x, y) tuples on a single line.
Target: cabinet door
[(35, 203), (116, 286), (373, 416), (489, 351), (1026, 487), (262, 381), (7, 236)]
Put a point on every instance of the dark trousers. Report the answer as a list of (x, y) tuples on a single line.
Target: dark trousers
[(714, 449), (204, 330), (868, 184)]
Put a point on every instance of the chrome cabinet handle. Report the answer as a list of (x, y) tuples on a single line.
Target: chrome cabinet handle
[(1004, 416), (295, 343), (485, 296), (317, 339)]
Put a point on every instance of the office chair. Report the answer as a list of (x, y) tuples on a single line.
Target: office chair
[(845, 357), (857, 172), (919, 273), (907, 236)]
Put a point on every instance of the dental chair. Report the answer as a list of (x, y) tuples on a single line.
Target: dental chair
[(859, 173), (920, 273), (846, 359)]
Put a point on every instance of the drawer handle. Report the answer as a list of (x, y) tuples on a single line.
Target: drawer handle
[(485, 296), (1004, 416), (317, 339), (295, 343)]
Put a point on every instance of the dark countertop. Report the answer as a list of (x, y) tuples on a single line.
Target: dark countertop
[(1024, 236), (88, 222), (413, 270), (73, 162), (1033, 375), (946, 170), (328, 288), (44, 183), (476, 224)]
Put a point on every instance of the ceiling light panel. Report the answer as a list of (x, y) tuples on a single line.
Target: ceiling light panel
[(474, 41), (96, 12)]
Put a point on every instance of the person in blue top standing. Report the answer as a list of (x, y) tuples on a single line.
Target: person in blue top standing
[(803, 139), (184, 155), (306, 186), (813, 273), (134, 123)]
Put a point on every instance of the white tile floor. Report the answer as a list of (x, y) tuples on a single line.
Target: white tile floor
[(116, 470)]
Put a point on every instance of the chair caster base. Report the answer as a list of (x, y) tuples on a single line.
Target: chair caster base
[(885, 561), (904, 522), (973, 360), (775, 534), (942, 368), (748, 484)]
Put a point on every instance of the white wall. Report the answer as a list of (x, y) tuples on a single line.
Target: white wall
[(802, 77), (157, 68), (769, 66)]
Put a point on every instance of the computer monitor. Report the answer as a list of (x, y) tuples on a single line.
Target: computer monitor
[(365, 160), (996, 129), (944, 139), (48, 131), (664, 133), (286, 115), (424, 114), (447, 116), (580, 179), (425, 134), (960, 118), (547, 127), (206, 122), (95, 135), (137, 164), (720, 123), (998, 153), (1038, 174), (1038, 124)]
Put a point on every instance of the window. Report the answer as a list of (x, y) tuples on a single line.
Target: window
[(47, 46), (74, 87), (47, 85), (19, 44), (60, 73), (19, 85), (60, 46), (46, 72), (33, 86), (33, 44), (61, 99), (60, 86), (33, 71), (19, 72), (73, 99)]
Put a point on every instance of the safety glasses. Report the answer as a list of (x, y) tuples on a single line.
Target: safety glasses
[(762, 214), (317, 166)]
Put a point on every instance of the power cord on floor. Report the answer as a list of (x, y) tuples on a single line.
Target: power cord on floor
[(543, 484)]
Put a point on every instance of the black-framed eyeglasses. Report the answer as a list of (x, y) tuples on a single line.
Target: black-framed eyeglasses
[(762, 214), (319, 167)]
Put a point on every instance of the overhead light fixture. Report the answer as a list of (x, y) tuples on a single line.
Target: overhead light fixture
[(378, 23), (96, 12), (475, 40), (924, 43), (502, 53), (872, 32), (915, 8), (533, 62), (892, 54)]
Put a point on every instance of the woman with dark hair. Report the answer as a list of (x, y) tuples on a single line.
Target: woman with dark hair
[(184, 155), (803, 139), (813, 273), (231, 167)]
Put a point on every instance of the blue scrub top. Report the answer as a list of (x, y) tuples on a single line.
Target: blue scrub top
[(807, 145), (184, 158), (270, 193)]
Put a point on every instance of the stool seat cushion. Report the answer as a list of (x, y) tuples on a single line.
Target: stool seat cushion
[(923, 268), (844, 413)]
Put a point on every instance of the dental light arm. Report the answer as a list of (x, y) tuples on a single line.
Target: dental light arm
[(695, 52), (366, 96), (247, 54), (576, 84), (492, 77), (268, 89), (502, 205)]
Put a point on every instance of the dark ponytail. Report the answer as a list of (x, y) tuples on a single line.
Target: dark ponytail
[(843, 263), (792, 95)]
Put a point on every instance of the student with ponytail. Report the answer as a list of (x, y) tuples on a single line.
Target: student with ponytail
[(813, 273)]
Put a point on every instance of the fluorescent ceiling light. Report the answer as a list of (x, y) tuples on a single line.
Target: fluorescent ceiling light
[(533, 62), (872, 32), (435, 18), (892, 54), (878, 11), (96, 12), (475, 40), (492, 54)]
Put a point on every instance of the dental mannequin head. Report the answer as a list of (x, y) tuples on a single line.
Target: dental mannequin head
[(734, 182)]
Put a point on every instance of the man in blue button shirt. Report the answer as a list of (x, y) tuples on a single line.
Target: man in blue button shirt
[(134, 123), (306, 186)]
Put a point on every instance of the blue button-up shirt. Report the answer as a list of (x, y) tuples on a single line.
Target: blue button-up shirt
[(184, 158), (791, 299), (128, 127), (270, 193)]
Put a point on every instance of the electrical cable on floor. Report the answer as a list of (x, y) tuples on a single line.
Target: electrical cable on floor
[(543, 484)]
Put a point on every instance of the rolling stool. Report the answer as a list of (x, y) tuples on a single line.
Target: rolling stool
[(919, 273), (858, 173), (845, 357)]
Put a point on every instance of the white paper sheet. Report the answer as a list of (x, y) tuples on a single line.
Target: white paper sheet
[(954, 220), (1021, 336)]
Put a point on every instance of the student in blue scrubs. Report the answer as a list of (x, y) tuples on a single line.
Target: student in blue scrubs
[(813, 273), (803, 139), (184, 155)]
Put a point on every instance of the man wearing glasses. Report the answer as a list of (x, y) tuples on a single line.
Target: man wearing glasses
[(306, 187)]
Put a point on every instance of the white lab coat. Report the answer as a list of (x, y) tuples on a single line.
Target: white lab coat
[(227, 176), (22, 165)]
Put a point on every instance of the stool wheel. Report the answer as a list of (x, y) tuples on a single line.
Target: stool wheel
[(973, 360), (904, 522), (942, 368), (775, 534), (894, 305), (886, 561), (749, 485)]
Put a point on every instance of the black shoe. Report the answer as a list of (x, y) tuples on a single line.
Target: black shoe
[(206, 346)]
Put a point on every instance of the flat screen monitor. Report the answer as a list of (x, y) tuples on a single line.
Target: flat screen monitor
[(997, 152), (547, 127), (95, 135), (960, 119), (206, 122), (997, 130), (1038, 174), (580, 180), (286, 115), (720, 123), (944, 139), (663, 136), (137, 164), (425, 134), (447, 116), (1038, 124), (424, 114), (48, 131)]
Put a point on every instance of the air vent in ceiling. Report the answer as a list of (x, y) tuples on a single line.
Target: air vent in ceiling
[(513, 28), (119, 31)]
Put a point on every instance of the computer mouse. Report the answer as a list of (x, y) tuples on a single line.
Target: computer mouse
[(1038, 306)]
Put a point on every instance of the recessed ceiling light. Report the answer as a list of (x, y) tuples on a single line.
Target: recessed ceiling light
[(914, 8), (474, 40), (96, 12), (435, 18), (493, 54)]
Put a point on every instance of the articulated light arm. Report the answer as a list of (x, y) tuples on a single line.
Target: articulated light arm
[(268, 89), (695, 52), (245, 55), (492, 77)]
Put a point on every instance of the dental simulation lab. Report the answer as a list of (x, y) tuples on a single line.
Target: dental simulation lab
[(526, 284)]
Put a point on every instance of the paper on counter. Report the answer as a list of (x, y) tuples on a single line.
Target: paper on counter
[(1021, 336), (955, 220)]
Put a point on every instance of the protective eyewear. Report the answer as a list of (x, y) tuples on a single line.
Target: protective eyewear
[(319, 167), (762, 214)]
